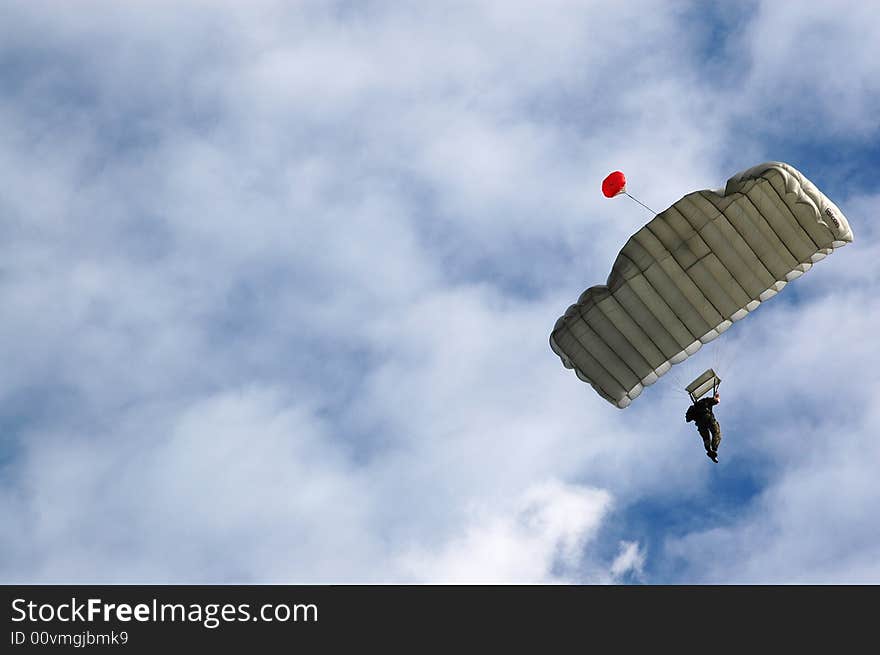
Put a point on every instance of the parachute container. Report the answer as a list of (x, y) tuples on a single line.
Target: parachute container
[(693, 271), (705, 382)]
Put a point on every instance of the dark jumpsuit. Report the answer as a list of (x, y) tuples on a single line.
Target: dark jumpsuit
[(708, 427)]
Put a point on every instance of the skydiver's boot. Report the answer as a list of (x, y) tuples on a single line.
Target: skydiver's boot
[(711, 454)]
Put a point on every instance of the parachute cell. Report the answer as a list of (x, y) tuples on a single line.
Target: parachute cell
[(691, 272)]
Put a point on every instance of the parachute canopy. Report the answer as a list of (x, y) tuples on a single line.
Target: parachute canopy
[(693, 271), (614, 184), (700, 387)]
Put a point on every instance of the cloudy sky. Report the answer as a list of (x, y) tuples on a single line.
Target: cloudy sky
[(278, 279)]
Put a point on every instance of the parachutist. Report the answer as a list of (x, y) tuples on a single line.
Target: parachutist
[(707, 425)]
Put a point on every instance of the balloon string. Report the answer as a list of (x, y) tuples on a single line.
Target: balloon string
[(640, 202)]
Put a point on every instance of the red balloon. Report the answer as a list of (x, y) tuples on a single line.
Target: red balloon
[(613, 184)]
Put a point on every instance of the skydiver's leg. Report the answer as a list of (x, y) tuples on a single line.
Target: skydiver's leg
[(704, 432), (715, 428)]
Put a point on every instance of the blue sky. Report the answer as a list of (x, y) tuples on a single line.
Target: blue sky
[(279, 279)]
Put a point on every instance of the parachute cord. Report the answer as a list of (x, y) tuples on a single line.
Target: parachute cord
[(641, 203)]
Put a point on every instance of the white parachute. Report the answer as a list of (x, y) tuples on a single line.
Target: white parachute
[(693, 271)]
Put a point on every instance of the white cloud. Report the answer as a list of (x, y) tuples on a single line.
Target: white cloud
[(631, 559), (815, 64), (535, 541)]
